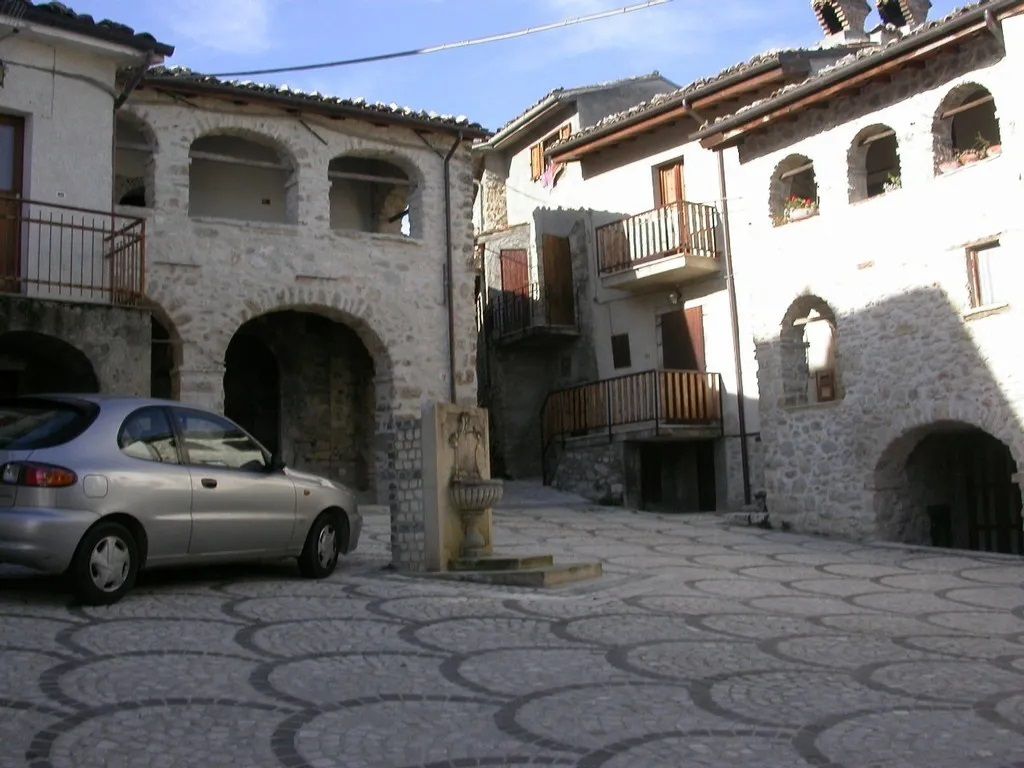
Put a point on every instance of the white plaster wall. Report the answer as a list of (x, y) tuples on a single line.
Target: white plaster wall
[(893, 269), (68, 120)]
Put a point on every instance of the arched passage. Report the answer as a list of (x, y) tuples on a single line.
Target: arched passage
[(164, 357), (809, 353), (304, 384), (34, 363), (949, 484)]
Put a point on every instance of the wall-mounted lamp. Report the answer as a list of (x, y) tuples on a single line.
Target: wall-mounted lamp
[(673, 296)]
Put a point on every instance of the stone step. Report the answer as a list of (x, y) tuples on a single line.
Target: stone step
[(548, 576), (502, 563)]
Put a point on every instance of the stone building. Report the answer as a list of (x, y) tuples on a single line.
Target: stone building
[(877, 232), (303, 262)]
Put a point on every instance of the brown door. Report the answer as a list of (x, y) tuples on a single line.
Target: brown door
[(558, 281), (682, 340), (672, 191), (12, 139), (513, 306)]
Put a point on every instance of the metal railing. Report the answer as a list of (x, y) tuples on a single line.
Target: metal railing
[(689, 229), (669, 398), (63, 252), (513, 312)]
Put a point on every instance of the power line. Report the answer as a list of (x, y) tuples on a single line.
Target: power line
[(451, 46)]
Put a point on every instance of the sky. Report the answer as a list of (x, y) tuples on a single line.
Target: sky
[(490, 84)]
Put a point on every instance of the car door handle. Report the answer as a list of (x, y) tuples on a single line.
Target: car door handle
[(209, 482)]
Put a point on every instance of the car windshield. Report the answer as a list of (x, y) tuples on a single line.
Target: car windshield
[(31, 424)]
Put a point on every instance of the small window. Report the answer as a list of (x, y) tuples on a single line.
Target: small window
[(794, 190), (966, 128), (215, 442), (539, 168), (620, 351), (874, 163), (991, 278), (147, 435)]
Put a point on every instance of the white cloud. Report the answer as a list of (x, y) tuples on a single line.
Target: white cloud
[(234, 26)]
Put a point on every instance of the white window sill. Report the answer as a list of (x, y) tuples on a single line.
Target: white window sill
[(986, 310)]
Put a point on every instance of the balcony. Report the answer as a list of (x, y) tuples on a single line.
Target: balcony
[(669, 402), (660, 248), (533, 315), (71, 254)]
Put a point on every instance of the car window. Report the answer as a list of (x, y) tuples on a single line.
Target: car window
[(39, 423), (147, 434), (216, 442)]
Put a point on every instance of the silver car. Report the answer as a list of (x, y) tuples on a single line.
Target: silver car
[(101, 487)]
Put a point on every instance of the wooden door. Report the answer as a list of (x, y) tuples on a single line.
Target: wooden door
[(558, 291), (12, 141), (672, 191), (682, 340), (513, 306)]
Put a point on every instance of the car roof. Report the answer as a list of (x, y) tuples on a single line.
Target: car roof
[(118, 401)]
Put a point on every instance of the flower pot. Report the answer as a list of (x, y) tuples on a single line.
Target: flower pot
[(995, 149), (969, 156), (948, 165), (795, 214)]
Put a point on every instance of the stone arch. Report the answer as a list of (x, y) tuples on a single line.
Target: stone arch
[(965, 127), (166, 349), (920, 466), (244, 174), (135, 148), (36, 363), (809, 352), (370, 190), (873, 162), (793, 193)]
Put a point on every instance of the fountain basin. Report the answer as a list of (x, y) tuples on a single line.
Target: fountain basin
[(475, 495)]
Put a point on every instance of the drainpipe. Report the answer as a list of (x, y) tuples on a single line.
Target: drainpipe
[(730, 283), (448, 264)]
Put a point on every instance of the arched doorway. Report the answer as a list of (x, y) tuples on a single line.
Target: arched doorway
[(34, 363), (304, 385), (950, 485), (164, 359)]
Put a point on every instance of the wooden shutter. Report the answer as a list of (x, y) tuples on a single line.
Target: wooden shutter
[(695, 327), (565, 132), (537, 161), (671, 188), (515, 271), (558, 281), (682, 340)]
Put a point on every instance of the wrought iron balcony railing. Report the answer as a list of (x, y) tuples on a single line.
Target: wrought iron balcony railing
[(512, 313), (73, 254)]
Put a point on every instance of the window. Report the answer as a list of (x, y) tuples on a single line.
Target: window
[(809, 354), (215, 442), (990, 275), (27, 425), (233, 177), (370, 195), (794, 190), (133, 163), (538, 165), (147, 435), (966, 128), (874, 162), (620, 351)]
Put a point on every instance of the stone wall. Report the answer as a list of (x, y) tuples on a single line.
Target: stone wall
[(114, 341), (592, 468), (913, 356), (209, 276)]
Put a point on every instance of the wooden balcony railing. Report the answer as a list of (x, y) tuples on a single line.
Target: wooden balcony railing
[(658, 397), (61, 252), (686, 229), (514, 312)]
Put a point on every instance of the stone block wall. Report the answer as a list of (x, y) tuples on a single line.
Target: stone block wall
[(592, 468)]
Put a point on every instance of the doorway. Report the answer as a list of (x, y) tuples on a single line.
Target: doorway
[(682, 340), (12, 148), (678, 477)]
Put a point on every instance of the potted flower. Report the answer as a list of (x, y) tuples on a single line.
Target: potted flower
[(892, 183), (949, 160), (797, 207)]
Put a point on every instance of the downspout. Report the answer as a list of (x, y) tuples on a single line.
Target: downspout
[(448, 264), (730, 282)]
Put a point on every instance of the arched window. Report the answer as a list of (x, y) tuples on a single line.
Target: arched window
[(235, 177), (371, 195), (134, 147), (809, 353), (794, 190), (874, 163), (966, 128)]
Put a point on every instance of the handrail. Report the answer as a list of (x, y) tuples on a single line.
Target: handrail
[(689, 229), (48, 250), (508, 313)]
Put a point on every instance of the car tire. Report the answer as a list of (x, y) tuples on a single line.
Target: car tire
[(323, 544), (105, 564)]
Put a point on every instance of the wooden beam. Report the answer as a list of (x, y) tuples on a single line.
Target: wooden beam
[(232, 160), (395, 180), (725, 138), (966, 107)]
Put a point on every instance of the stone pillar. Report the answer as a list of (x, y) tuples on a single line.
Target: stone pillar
[(399, 461)]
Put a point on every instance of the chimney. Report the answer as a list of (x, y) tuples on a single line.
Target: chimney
[(904, 13), (842, 17)]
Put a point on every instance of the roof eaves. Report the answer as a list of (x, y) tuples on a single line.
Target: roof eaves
[(60, 16), (712, 135)]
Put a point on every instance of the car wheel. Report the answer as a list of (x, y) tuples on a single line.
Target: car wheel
[(105, 564), (319, 556)]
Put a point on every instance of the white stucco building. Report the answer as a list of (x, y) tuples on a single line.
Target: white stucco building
[(877, 234)]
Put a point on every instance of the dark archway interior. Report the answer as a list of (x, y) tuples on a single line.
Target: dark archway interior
[(303, 385), (162, 363), (33, 363), (959, 490)]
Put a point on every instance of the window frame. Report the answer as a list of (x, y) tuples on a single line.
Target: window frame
[(178, 448), (183, 445), (539, 149), (974, 273)]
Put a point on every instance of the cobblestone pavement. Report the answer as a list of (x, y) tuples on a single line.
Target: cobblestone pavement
[(702, 646)]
